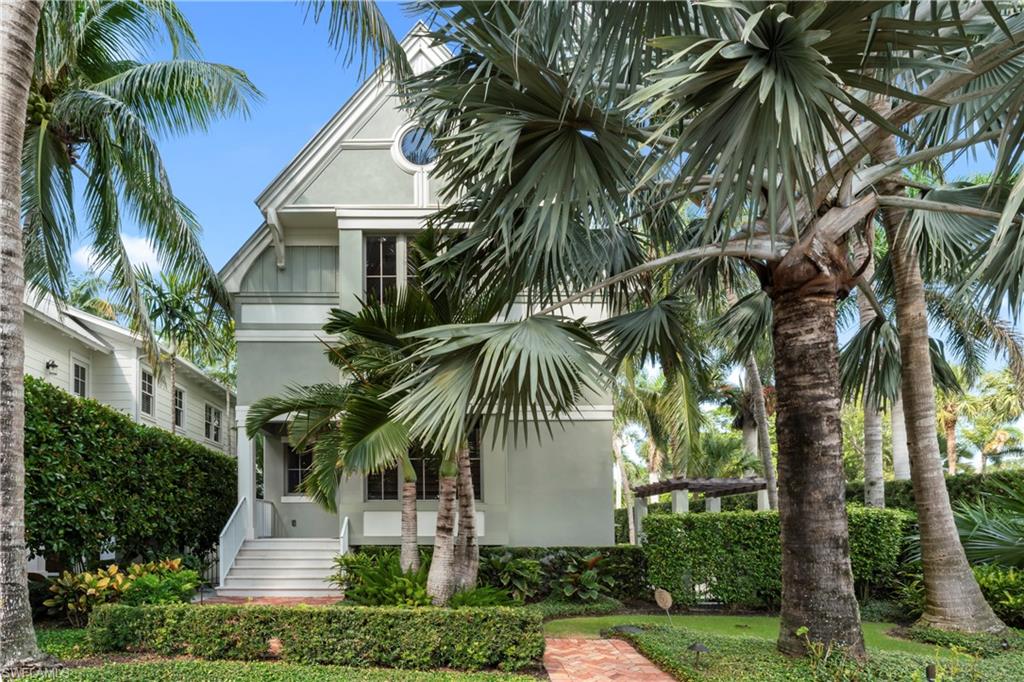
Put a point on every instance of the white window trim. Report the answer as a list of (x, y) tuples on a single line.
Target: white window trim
[(184, 407), (399, 158), (76, 359), (401, 258), (149, 416), (212, 406)]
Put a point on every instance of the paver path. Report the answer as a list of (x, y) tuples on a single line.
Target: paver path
[(598, 660)]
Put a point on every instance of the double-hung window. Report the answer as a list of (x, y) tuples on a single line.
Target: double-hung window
[(148, 402), (381, 269), (211, 427), (297, 466), (179, 407), (79, 378)]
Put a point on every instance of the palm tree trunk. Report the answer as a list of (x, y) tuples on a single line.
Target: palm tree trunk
[(817, 581), (174, 386), (440, 580), (900, 454), (764, 443), (874, 483), (18, 21), (467, 550), (409, 558), (627, 493), (953, 600), (949, 425)]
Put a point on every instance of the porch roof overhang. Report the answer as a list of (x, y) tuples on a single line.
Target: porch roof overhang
[(711, 487)]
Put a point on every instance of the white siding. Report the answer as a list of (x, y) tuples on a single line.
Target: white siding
[(113, 380), (44, 343), (197, 394)]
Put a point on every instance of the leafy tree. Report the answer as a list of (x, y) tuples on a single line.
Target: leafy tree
[(87, 292), (566, 163), (96, 111)]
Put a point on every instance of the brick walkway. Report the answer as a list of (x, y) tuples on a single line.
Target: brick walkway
[(598, 660)]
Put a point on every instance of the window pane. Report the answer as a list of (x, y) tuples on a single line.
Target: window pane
[(389, 260), (375, 487), (372, 256), (474, 465), (294, 478), (373, 289), (390, 485)]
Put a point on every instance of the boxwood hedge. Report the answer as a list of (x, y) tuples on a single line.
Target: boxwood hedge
[(962, 488), (735, 557), (93, 474), (416, 638)]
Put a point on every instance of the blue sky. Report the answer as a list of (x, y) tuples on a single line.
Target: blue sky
[(304, 82)]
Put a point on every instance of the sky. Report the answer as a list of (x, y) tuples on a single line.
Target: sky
[(219, 173)]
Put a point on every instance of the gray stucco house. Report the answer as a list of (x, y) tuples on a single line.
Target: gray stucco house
[(337, 220)]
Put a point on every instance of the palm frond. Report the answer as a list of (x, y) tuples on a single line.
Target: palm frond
[(357, 29)]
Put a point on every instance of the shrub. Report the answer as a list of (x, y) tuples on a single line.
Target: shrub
[(966, 488), (465, 639), (736, 556), (92, 474), (480, 596), (573, 577), (378, 580), (519, 577), (75, 595), (975, 643), (550, 609), (1004, 590)]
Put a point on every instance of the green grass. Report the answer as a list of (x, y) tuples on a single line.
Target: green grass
[(224, 671), (762, 627), (754, 659)]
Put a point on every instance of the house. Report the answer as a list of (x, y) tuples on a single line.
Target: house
[(337, 221), (91, 357)]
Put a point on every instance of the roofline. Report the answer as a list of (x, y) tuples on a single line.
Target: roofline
[(61, 324), (246, 253)]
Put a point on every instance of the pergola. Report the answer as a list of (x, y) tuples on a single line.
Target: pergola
[(714, 489)]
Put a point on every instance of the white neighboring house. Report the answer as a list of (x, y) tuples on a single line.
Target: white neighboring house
[(95, 358)]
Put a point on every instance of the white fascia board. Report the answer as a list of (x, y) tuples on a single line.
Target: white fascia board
[(233, 271), (67, 325)]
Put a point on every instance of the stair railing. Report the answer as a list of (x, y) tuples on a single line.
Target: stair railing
[(343, 538), (231, 538)]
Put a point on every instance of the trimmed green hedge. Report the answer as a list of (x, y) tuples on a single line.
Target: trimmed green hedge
[(736, 556), (422, 638), (627, 564), (745, 502), (962, 488), (93, 474)]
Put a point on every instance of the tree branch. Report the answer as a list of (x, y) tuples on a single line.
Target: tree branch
[(940, 206)]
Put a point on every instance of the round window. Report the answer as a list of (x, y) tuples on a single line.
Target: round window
[(417, 147)]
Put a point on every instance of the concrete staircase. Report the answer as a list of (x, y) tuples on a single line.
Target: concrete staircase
[(282, 567)]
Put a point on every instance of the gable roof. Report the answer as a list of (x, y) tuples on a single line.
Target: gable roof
[(317, 152)]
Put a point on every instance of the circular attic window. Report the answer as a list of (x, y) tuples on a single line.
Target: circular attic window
[(417, 147)]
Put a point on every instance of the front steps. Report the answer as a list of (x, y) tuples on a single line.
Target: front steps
[(282, 567)]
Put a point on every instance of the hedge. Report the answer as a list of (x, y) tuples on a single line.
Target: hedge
[(735, 557), (358, 636), (744, 502), (93, 474), (962, 488), (627, 564)]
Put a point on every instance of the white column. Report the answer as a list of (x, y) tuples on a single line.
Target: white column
[(246, 471), (680, 501), (640, 510), (712, 504), (762, 500)]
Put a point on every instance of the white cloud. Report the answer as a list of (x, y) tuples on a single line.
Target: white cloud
[(140, 252)]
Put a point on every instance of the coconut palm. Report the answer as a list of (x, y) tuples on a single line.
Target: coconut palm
[(571, 136), (18, 22), (95, 111), (181, 313)]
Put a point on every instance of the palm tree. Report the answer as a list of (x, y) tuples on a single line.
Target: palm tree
[(95, 109), (548, 127), (18, 22), (87, 292), (181, 312)]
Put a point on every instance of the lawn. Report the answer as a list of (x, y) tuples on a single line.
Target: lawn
[(762, 627), (230, 671)]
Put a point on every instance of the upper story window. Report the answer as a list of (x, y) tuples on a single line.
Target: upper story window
[(381, 266), (179, 407), (79, 378), (211, 427), (417, 147), (148, 401)]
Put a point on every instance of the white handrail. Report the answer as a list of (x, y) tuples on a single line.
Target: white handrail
[(264, 518), (343, 536), (231, 538)]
